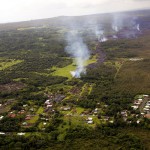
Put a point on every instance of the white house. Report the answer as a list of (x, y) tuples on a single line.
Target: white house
[(20, 133), (1, 117), (2, 133), (90, 119), (90, 122), (134, 107)]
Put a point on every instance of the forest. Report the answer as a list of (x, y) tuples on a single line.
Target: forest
[(43, 107)]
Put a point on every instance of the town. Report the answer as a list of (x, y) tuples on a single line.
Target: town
[(31, 115)]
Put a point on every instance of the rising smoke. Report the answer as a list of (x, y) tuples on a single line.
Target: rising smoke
[(77, 48), (138, 27), (125, 25), (119, 26), (118, 22), (100, 33)]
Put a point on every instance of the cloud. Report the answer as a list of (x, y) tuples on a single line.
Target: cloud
[(18, 10)]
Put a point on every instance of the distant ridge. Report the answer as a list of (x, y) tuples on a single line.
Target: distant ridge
[(63, 20)]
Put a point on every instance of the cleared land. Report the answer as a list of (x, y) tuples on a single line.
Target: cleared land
[(6, 63), (65, 71)]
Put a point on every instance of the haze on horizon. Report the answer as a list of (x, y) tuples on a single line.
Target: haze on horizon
[(22, 10)]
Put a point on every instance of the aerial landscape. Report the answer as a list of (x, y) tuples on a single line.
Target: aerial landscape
[(76, 82)]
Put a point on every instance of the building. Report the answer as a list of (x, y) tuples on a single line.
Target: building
[(147, 116), (66, 108), (1, 117), (20, 133), (2, 133), (12, 115), (90, 120), (135, 107)]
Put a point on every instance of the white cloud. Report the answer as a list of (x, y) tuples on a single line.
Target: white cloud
[(18, 10)]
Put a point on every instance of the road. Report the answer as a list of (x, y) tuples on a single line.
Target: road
[(145, 100)]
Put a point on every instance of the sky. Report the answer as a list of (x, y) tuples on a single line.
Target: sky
[(22, 10)]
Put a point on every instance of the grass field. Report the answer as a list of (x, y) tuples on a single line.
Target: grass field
[(70, 119), (33, 119), (65, 71), (40, 110), (36, 117), (6, 63), (133, 77)]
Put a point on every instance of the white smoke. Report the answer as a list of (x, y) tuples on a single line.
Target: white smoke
[(121, 21), (115, 37), (100, 33), (115, 28), (102, 37), (97, 32), (138, 27), (117, 22), (79, 50), (125, 25)]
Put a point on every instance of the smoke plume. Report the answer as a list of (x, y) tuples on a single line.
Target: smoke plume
[(100, 33), (118, 22), (77, 48), (127, 26)]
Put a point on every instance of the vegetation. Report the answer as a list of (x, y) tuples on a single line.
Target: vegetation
[(43, 107)]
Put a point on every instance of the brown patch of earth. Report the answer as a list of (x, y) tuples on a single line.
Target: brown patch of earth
[(11, 87)]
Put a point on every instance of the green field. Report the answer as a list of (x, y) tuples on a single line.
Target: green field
[(6, 63), (40, 110), (65, 71), (36, 117), (35, 68)]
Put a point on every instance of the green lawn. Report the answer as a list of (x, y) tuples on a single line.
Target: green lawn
[(75, 120), (62, 129), (91, 61), (87, 88), (40, 110), (90, 88), (79, 110), (36, 117), (96, 120), (6, 63), (65, 71)]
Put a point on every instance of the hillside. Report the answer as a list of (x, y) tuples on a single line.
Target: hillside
[(96, 98), (143, 16)]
